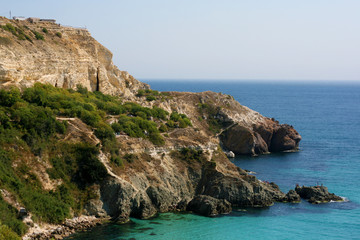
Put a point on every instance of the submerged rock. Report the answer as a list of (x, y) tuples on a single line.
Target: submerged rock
[(316, 194), (209, 206)]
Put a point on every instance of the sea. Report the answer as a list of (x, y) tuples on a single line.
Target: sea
[(327, 115)]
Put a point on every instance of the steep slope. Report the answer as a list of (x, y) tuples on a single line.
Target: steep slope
[(64, 58)]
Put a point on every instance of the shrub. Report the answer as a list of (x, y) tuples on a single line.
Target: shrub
[(7, 234), (104, 131), (58, 34), (117, 160), (215, 124), (8, 217), (81, 89), (45, 30), (38, 35), (190, 154), (163, 128), (90, 169), (178, 120), (9, 98), (130, 158), (150, 98)]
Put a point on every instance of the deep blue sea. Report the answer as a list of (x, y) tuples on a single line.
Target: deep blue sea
[(328, 118)]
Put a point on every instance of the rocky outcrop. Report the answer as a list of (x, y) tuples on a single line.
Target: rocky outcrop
[(48, 231), (260, 139), (74, 58), (209, 206), (293, 197), (316, 194), (285, 138)]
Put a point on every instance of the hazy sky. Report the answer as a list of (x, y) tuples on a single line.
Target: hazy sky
[(223, 39)]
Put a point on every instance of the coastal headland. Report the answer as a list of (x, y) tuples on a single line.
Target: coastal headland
[(113, 148)]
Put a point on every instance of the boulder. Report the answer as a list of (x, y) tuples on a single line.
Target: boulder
[(246, 191), (292, 196), (230, 154), (239, 139), (285, 138), (209, 206), (316, 194)]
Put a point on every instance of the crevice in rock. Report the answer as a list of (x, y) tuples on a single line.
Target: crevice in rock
[(97, 81)]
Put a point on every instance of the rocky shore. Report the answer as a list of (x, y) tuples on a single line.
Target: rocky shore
[(70, 226)]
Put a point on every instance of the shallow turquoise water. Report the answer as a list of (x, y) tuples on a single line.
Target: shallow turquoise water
[(327, 117)]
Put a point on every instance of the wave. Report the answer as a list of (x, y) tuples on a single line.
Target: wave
[(344, 199)]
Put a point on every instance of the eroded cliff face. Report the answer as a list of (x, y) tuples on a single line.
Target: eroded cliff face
[(66, 57), (158, 178)]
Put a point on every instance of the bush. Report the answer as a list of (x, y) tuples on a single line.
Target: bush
[(215, 124), (58, 34), (45, 30), (8, 217), (90, 169), (163, 128), (9, 98), (150, 98), (190, 154), (103, 131), (7, 234), (81, 89), (38, 35)]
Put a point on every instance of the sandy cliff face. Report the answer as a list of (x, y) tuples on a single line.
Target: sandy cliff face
[(74, 58)]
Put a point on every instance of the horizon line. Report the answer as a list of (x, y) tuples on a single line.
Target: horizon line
[(253, 80)]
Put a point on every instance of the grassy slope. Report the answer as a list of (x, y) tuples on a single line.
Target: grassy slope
[(29, 131)]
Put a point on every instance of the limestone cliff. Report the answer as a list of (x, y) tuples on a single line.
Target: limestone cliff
[(64, 58), (157, 178)]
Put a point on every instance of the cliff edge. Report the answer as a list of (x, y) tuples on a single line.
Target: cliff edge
[(47, 52)]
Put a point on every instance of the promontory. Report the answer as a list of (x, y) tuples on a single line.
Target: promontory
[(79, 137)]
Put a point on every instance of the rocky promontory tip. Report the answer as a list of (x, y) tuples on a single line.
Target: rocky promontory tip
[(209, 206), (317, 194)]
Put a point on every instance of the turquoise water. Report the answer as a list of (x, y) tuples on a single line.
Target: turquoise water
[(327, 117)]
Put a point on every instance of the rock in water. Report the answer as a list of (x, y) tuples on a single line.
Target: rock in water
[(209, 206), (316, 194), (293, 197), (230, 154)]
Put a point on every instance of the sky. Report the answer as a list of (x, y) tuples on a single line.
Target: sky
[(307, 40)]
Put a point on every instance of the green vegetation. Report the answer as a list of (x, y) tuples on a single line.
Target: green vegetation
[(189, 155), (7, 234), (58, 34), (16, 31), (45, 30), (212, 113), (38, 35), (178, 120), (152, 95), (29, 131), (138, 127), (8, 217)]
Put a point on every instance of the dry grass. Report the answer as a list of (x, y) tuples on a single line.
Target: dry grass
[(5, 41)]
